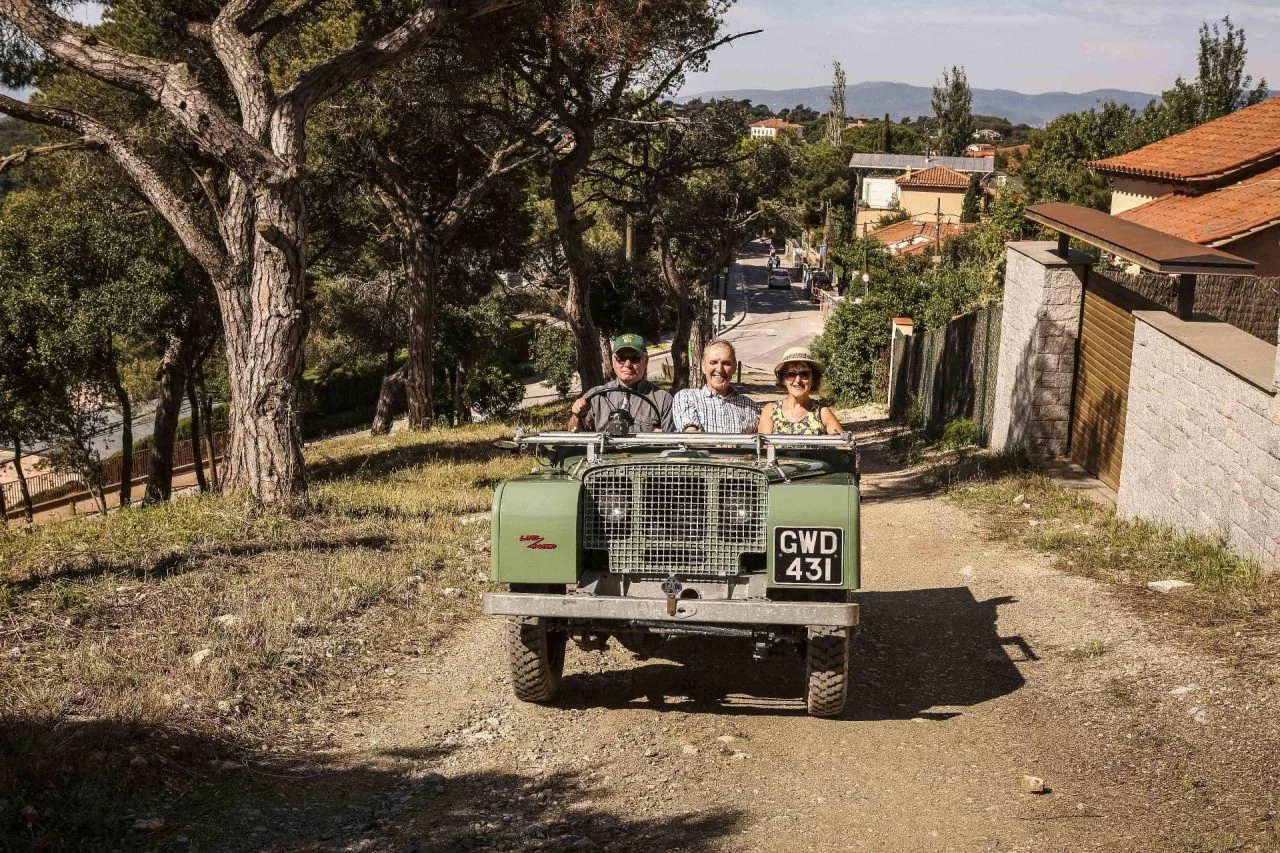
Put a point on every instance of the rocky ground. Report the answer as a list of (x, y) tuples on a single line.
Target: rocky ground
[(977, 666)]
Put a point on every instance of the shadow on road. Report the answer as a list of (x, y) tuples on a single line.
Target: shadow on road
[(117, 786), (919, 653)]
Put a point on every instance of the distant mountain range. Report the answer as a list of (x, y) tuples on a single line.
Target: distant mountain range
[(874, 99)]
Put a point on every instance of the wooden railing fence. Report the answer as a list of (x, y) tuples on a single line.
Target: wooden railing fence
[(53, 489)]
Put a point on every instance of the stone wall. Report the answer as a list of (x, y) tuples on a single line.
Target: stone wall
[(1042, 295), (1201, 450)]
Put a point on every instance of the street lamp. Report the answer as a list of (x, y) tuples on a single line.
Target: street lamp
[(866, 279)]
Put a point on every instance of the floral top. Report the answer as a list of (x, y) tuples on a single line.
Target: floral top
[(810, 424)]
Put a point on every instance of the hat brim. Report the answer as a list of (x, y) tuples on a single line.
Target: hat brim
[(777, 370)]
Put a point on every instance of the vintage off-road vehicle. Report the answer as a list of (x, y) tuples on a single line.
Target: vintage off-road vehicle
[(647, 536)]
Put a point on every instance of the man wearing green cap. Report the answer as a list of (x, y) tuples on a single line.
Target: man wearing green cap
[(647, 410)]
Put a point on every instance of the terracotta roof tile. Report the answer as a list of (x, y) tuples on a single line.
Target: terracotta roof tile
[(773, 122), (901, 237), (1206, 153), (1215, 217), (935, 176)]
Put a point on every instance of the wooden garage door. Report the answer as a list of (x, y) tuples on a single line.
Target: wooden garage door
[(1102, 379)]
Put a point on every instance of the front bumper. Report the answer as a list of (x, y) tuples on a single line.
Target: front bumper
[(688, 610)]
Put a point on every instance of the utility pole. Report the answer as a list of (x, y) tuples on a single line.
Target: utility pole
[(937, 234)]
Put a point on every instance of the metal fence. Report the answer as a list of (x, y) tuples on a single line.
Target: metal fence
[(51, 489), (938, 375)]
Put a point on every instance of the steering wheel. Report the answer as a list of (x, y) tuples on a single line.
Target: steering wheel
[(620, 420)]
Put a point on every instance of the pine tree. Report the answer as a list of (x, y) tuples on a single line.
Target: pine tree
[(971, 207), (953, 107), (836, 116)]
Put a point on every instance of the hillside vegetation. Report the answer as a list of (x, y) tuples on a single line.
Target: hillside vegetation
[(145, 652)]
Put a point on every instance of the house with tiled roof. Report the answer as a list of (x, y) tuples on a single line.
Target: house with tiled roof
[(771, 127), (1217, 184), (937, 189), (914, 237)]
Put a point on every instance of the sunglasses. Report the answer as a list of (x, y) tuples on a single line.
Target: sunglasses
[(798, 374), (627, 359)]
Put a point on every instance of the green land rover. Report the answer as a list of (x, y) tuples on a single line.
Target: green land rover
[(643, 537)]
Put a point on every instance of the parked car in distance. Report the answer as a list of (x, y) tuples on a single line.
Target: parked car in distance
[(780, 278)]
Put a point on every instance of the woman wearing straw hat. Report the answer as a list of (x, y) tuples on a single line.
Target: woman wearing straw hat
[(799, 374)]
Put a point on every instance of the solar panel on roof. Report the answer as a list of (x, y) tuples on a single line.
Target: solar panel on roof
[(902, 162)]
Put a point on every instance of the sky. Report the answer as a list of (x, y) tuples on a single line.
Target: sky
[(1029, 46)]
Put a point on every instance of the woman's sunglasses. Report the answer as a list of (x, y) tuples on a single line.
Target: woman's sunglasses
[(798, 374)]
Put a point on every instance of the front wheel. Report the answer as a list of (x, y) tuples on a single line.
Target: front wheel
[(536, 656), (827, 671)]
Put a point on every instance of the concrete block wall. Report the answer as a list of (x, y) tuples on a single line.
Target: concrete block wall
[(1038, 332), (1202, 447)]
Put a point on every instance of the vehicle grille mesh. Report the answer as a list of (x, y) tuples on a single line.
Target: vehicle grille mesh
[(666, 517)]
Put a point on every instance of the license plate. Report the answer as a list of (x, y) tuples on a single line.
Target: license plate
[(808, 555)]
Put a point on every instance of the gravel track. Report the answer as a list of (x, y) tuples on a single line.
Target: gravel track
[(976, 665)]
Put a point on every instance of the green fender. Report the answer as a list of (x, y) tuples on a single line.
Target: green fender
[(832, 501), (534, 530)]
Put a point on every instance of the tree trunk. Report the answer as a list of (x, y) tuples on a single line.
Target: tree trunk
[(22, 480), (196, 455), (391, 400), (168, 406), (422, 269), (459, 381), (577, 307), (206, 417), (264, 329), (4, 508), (699, 335), (126, 436), (681, 369)]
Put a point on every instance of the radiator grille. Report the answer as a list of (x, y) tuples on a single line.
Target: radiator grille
[(666, 517)]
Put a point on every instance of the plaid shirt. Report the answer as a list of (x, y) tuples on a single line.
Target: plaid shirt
[(699, 407)]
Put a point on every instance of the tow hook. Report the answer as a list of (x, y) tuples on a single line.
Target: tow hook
[(672, 588)]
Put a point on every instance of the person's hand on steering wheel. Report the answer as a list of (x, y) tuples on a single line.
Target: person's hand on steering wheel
[(623, 414)]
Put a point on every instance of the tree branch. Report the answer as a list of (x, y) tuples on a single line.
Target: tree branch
[(680, 63), (17, 158), (171, 85), (236, 51), (274, 25), (150, 184), (363, 59)]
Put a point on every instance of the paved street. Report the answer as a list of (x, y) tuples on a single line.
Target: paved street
[(775, 320)]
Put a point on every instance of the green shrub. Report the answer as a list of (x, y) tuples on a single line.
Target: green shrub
[(961, 432), (555, 355), (494, 391)]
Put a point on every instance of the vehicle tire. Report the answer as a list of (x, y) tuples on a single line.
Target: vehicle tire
[(826, 671), (536, 656)]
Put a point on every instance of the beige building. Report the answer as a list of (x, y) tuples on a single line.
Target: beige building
[(938, 189), (771, 127)]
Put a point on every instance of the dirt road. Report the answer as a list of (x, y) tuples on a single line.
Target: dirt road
[(975, 665)]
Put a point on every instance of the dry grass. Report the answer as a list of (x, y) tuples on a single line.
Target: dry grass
[(1089, 539), (102, 622)]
